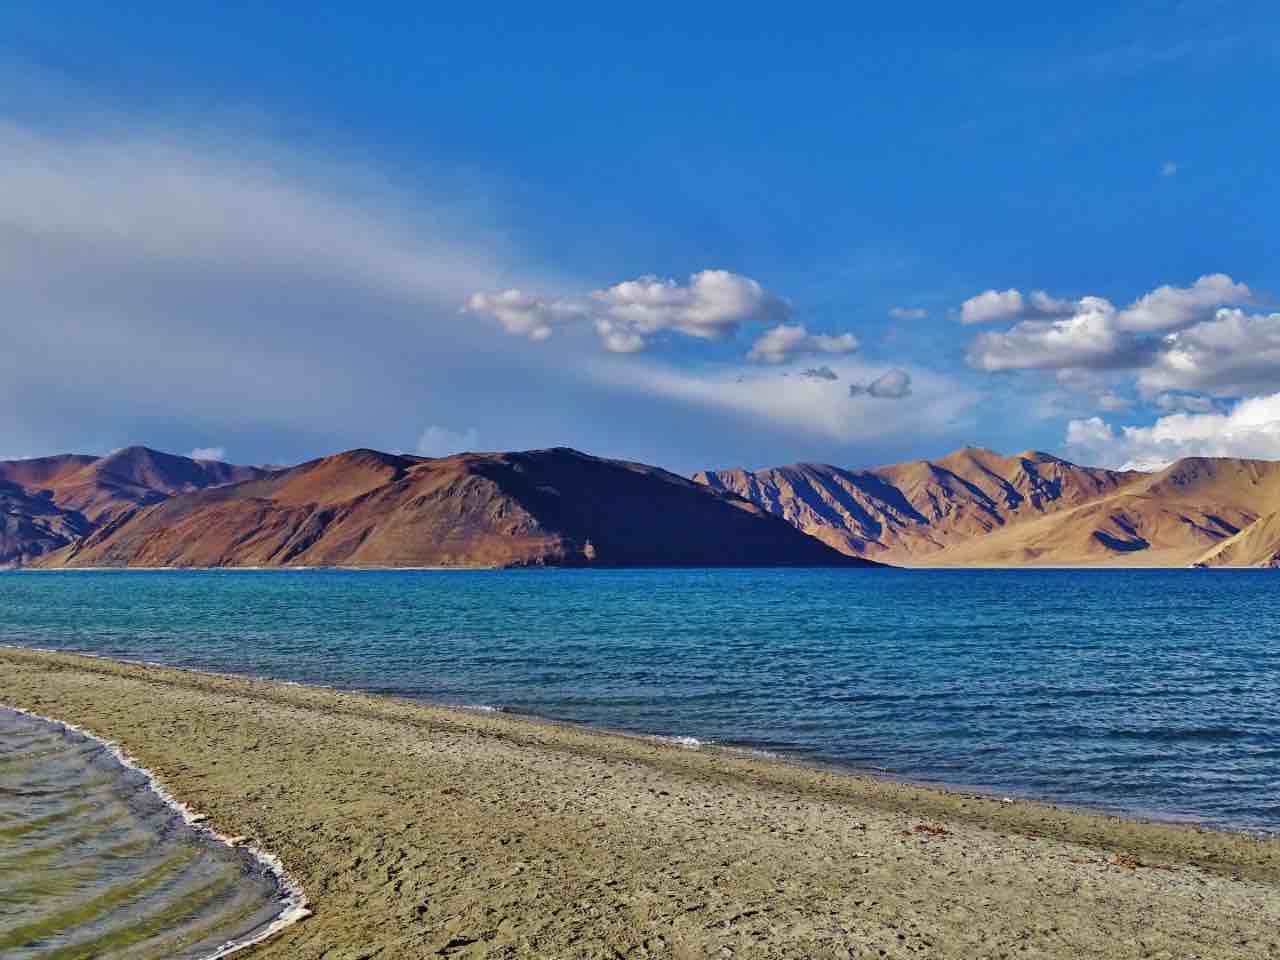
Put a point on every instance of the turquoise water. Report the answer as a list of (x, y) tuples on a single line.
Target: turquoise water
[(1148, 692), (94, 863)]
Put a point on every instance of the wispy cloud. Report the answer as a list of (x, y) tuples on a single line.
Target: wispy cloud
[(908, 313), (438, 441)]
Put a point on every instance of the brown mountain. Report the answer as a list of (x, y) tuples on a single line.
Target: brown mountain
[(978, 508), (1257, 545), (364, 508), (49, 502)]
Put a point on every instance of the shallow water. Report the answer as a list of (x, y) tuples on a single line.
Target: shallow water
[(94, 863), (1148, 692)]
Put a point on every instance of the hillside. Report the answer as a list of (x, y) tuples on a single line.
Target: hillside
[(908, 511), (1257, 545), (365, 508), (49, 502), (977, 508)]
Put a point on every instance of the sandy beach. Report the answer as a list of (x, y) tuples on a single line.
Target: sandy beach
[(418, 831)]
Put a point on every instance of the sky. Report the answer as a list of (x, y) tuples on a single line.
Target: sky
[(699, 237)]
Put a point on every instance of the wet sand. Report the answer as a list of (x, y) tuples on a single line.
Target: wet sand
[(420, 832)]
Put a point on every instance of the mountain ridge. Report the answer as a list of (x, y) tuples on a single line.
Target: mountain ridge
[(975, 507), (47, 503), (364, 508)]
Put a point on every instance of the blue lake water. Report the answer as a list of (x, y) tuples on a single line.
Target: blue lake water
[(1148, 692)]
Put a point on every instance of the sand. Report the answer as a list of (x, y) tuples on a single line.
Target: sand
[(418, 831)]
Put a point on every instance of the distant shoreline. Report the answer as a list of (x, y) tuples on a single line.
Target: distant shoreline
[(506, 831)]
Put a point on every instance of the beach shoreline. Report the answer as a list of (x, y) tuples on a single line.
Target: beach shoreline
[(729, 748), (420, 830)]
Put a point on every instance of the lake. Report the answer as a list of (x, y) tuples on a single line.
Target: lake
[(1153, 693)]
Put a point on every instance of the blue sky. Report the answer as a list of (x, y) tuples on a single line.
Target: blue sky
[(281, 233)]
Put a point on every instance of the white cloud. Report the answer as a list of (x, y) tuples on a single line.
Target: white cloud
[(1250, 429), (523, 314), (1087, 339), (992, 305), (1092, 334), (893, 385), (1233, 354), (208, 453), (1172, 308), (1168, 169), (908, 313), (785, 341), (1007, 305), (712, 305), (437, 441)]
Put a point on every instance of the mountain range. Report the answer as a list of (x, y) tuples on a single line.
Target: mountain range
[(142, 508), (977, 508), (363, 508)]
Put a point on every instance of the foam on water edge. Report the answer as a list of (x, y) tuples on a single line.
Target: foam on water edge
[(294, 901), (689, 743)]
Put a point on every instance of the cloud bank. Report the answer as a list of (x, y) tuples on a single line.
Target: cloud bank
[(1250, 429), (1173, 338)]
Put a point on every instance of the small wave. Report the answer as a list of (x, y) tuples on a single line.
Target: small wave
[(482, 707), (689, 743), (294, 905)]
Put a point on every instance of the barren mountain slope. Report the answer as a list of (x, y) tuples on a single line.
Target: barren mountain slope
[(977, 508), (905, 512), (1171, 518), (1257, 545), (48, 502), (364, 508)]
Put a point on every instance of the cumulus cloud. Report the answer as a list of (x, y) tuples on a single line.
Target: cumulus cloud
[(208, 453), (1007, 305), (820, 373), (437, 441), (1233, 354), (523, 314), (1092, 334), (785, 341), (713, 304), (1250, 429), (1172, 308), (893, 385), (908, 313), (1086, 339)]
